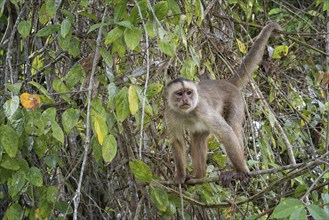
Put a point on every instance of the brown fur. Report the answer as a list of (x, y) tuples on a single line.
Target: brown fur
[(212, 106)]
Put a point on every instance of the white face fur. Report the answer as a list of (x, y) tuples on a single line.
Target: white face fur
[(183, 96)]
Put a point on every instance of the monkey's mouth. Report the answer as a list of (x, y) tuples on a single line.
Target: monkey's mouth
[(185, 106)]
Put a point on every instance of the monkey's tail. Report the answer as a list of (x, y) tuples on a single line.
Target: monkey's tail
[(253, 57)]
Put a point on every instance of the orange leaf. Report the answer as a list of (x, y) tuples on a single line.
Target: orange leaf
[(30, 101)]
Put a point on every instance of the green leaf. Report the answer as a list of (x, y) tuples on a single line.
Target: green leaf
[(97, 105), (74, 47), (2, 6), (17, 183), (52, 6), (132, 37), (69, 15), (317, 212), (112, 90), (37, 64), (126, 24), (51, 161), (119, 9), (280, 51), (9, 140), (113, 35), (40, 145), (14, 88), (74, 76), (70, 119), (107, 56), (275, 11), (161, 10), (287, 207), (220, 159), (133, 100), (119, 47), (64, 207), (134, 14), (159, 198), (199, 11), (52, 194), (9, 163), (34, 176), (189, 69), (188, 11), (24, 28), (96, 26), (109, 148), (48, 30), (176, 12), (15, 211), (150, 29), (49, 115), (153, 89), (35, 125), (140, 170), (325, 4), (298, 214), (11, 106), (59, 86), (64, 43), (167, 48), (65, 27), (43, 15), (41, 89), (96, 149), (58, 133), (122, 105)]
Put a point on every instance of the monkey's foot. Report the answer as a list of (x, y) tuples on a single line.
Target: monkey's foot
[(227, 177), (180, 179)]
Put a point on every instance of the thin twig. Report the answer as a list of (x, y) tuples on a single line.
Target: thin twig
[(10, 44), (146, 80), (76, 198), (181, 200)]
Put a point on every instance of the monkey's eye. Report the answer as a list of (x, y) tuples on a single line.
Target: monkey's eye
[(189, 92), (179, 93)]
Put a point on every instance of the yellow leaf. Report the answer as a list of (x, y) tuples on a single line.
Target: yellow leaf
[(30, 101), (100, 129), (241, 46), (133, 100), (280, 51)]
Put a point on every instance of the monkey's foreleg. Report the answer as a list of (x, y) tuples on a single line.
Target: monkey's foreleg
[(199, 149), (179, 152)]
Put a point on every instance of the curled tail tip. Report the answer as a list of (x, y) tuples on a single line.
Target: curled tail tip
[(273, 26)]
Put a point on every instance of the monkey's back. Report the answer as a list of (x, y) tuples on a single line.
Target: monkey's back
[(220, 94)]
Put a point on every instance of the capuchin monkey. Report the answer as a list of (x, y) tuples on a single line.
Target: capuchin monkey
[(212, 107)]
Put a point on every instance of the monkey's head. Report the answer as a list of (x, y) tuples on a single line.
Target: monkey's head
[(182, 95)]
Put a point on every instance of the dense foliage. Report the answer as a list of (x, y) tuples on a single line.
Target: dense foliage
[(81, 118)]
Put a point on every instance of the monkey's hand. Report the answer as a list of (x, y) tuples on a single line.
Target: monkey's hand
[(227, 177)]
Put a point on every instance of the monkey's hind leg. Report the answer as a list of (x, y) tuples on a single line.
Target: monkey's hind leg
[(199, 149)]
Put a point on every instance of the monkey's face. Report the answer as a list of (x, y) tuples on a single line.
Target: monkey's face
[(183, 97)]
